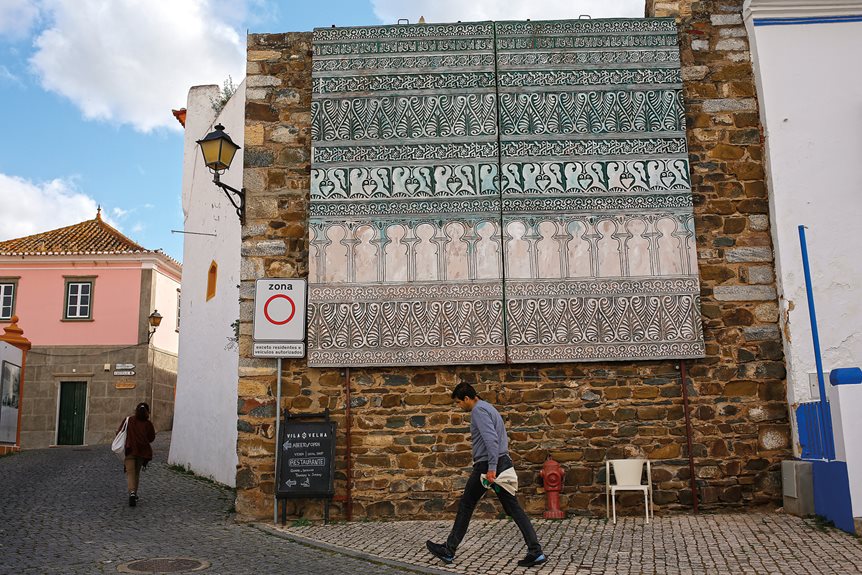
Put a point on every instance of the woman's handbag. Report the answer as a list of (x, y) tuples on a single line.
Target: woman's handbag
[(119, 444)]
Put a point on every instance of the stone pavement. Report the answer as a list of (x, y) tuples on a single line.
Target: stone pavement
[(752, 543), (64, 511)]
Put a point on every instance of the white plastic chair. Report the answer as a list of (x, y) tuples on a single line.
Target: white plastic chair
[(627, 477)]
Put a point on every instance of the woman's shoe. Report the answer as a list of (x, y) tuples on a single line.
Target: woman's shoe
[(133, 499)]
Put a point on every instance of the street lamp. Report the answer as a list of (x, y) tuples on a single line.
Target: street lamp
[(155, 319), (218, 150)]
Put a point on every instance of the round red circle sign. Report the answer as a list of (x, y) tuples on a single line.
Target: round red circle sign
[(273, 298)]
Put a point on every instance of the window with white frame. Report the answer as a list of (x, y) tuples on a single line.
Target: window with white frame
[(79, 299), (7, 300), (179, 295)]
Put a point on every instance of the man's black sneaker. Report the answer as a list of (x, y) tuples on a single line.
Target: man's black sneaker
[(439, 551), (532, 559), (133, 499)]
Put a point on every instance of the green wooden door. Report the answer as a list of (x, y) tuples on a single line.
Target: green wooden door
[(73, 407)]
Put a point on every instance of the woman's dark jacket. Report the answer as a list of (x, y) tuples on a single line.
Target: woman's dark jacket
[(139, 435)]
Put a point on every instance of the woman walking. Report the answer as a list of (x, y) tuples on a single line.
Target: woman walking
[(139, 434)]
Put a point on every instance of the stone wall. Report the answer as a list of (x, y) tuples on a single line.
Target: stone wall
[(109, 397), (164, 378), (410, 447)]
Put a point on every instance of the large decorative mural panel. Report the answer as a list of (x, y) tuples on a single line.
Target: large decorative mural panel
[(493, 192), (598, 234), (406, 259)]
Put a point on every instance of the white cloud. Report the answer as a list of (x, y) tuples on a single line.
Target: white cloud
[(131, 61), (17, 17), (389, 11), (7, 77), (119, 213), (34, 207)]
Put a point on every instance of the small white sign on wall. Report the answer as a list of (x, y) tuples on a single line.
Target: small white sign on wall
[(276, 349), (279, 310)]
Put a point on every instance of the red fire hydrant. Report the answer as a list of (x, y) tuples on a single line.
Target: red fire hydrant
[(552, 479)]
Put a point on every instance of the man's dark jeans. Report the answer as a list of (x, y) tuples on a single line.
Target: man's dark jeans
[(474, 491)]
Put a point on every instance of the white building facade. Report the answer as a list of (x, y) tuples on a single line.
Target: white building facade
[(810, 94), (205, 421)]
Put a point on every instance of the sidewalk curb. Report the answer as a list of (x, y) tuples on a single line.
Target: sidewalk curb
[(269, 529)]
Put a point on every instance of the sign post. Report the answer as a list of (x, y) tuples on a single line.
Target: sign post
[(279, 332), (277, 432)]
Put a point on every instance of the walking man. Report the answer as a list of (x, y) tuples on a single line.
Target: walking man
[(490, 456)]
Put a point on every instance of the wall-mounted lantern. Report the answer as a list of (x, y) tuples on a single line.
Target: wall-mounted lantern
[(155, 320), (218, 151)]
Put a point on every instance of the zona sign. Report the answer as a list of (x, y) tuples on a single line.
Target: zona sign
[(279, 310)]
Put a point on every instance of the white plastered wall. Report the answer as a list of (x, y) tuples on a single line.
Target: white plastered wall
[(845, 402), (166, 337), (810, 96), (205, 416)]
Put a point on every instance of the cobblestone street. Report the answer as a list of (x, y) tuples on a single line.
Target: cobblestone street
[(64, 511), (731, 544)]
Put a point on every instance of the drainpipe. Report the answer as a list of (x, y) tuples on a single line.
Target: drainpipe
[(692, 480), (349, 503), (825, 418)]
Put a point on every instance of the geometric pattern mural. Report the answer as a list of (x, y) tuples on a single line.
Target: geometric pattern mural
[(492, 192), (405, 263), (600, 253)]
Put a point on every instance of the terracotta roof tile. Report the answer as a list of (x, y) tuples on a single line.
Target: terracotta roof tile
[(180, 115), (89, 237)]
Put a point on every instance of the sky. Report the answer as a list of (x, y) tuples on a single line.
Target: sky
[(87, 88)]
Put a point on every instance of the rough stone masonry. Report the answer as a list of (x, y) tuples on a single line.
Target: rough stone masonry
[(409, 446)]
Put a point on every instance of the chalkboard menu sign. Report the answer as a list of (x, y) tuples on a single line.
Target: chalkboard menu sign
[(306, 459)]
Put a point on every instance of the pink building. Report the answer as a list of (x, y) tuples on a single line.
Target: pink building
[(83, 295)]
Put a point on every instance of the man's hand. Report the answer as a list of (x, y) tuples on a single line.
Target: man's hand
[(491, 476)]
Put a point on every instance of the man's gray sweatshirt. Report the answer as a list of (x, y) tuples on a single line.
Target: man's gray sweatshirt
[(488, 434)]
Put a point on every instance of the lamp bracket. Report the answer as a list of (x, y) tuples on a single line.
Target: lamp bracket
[(240, 196)]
